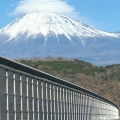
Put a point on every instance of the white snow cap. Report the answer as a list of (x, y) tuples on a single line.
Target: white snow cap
[(43, 23)]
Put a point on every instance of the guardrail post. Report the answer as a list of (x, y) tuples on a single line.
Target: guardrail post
[(0, 106), (7, 95)]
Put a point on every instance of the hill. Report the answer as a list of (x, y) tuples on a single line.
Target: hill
[(102, 80)]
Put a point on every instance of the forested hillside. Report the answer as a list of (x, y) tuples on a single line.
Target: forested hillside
[(102, 80)]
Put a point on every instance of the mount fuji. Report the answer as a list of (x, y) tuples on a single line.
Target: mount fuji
[(49, 34)]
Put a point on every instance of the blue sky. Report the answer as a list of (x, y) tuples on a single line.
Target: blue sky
[(102, 14)]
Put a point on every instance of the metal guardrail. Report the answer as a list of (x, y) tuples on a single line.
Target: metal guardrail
[(28, 92), (30, 70)]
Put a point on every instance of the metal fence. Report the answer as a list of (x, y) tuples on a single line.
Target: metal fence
[(28, 94)]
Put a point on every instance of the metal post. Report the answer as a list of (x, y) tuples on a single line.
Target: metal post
[(58, 103), (38, 101), (54, 102), (42, 100), (7, 95), (50, 102), (0, 105), (61, 102), (21, 97), (27, 88), (46, 99), (33, 99), (14, 92)]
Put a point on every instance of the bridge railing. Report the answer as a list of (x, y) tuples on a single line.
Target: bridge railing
[(29, 94)]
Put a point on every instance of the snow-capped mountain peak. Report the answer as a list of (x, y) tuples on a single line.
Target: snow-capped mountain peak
[(43, 23), (48, 34)]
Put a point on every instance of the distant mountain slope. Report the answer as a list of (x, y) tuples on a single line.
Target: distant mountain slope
[(49, 34)]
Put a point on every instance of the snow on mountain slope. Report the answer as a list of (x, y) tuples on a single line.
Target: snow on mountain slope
[(49, 34), (36, 23)]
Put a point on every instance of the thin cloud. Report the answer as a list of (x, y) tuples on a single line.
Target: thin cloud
[(56, 6)]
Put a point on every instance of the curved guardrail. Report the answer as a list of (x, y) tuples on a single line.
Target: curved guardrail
[(29, 94)]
